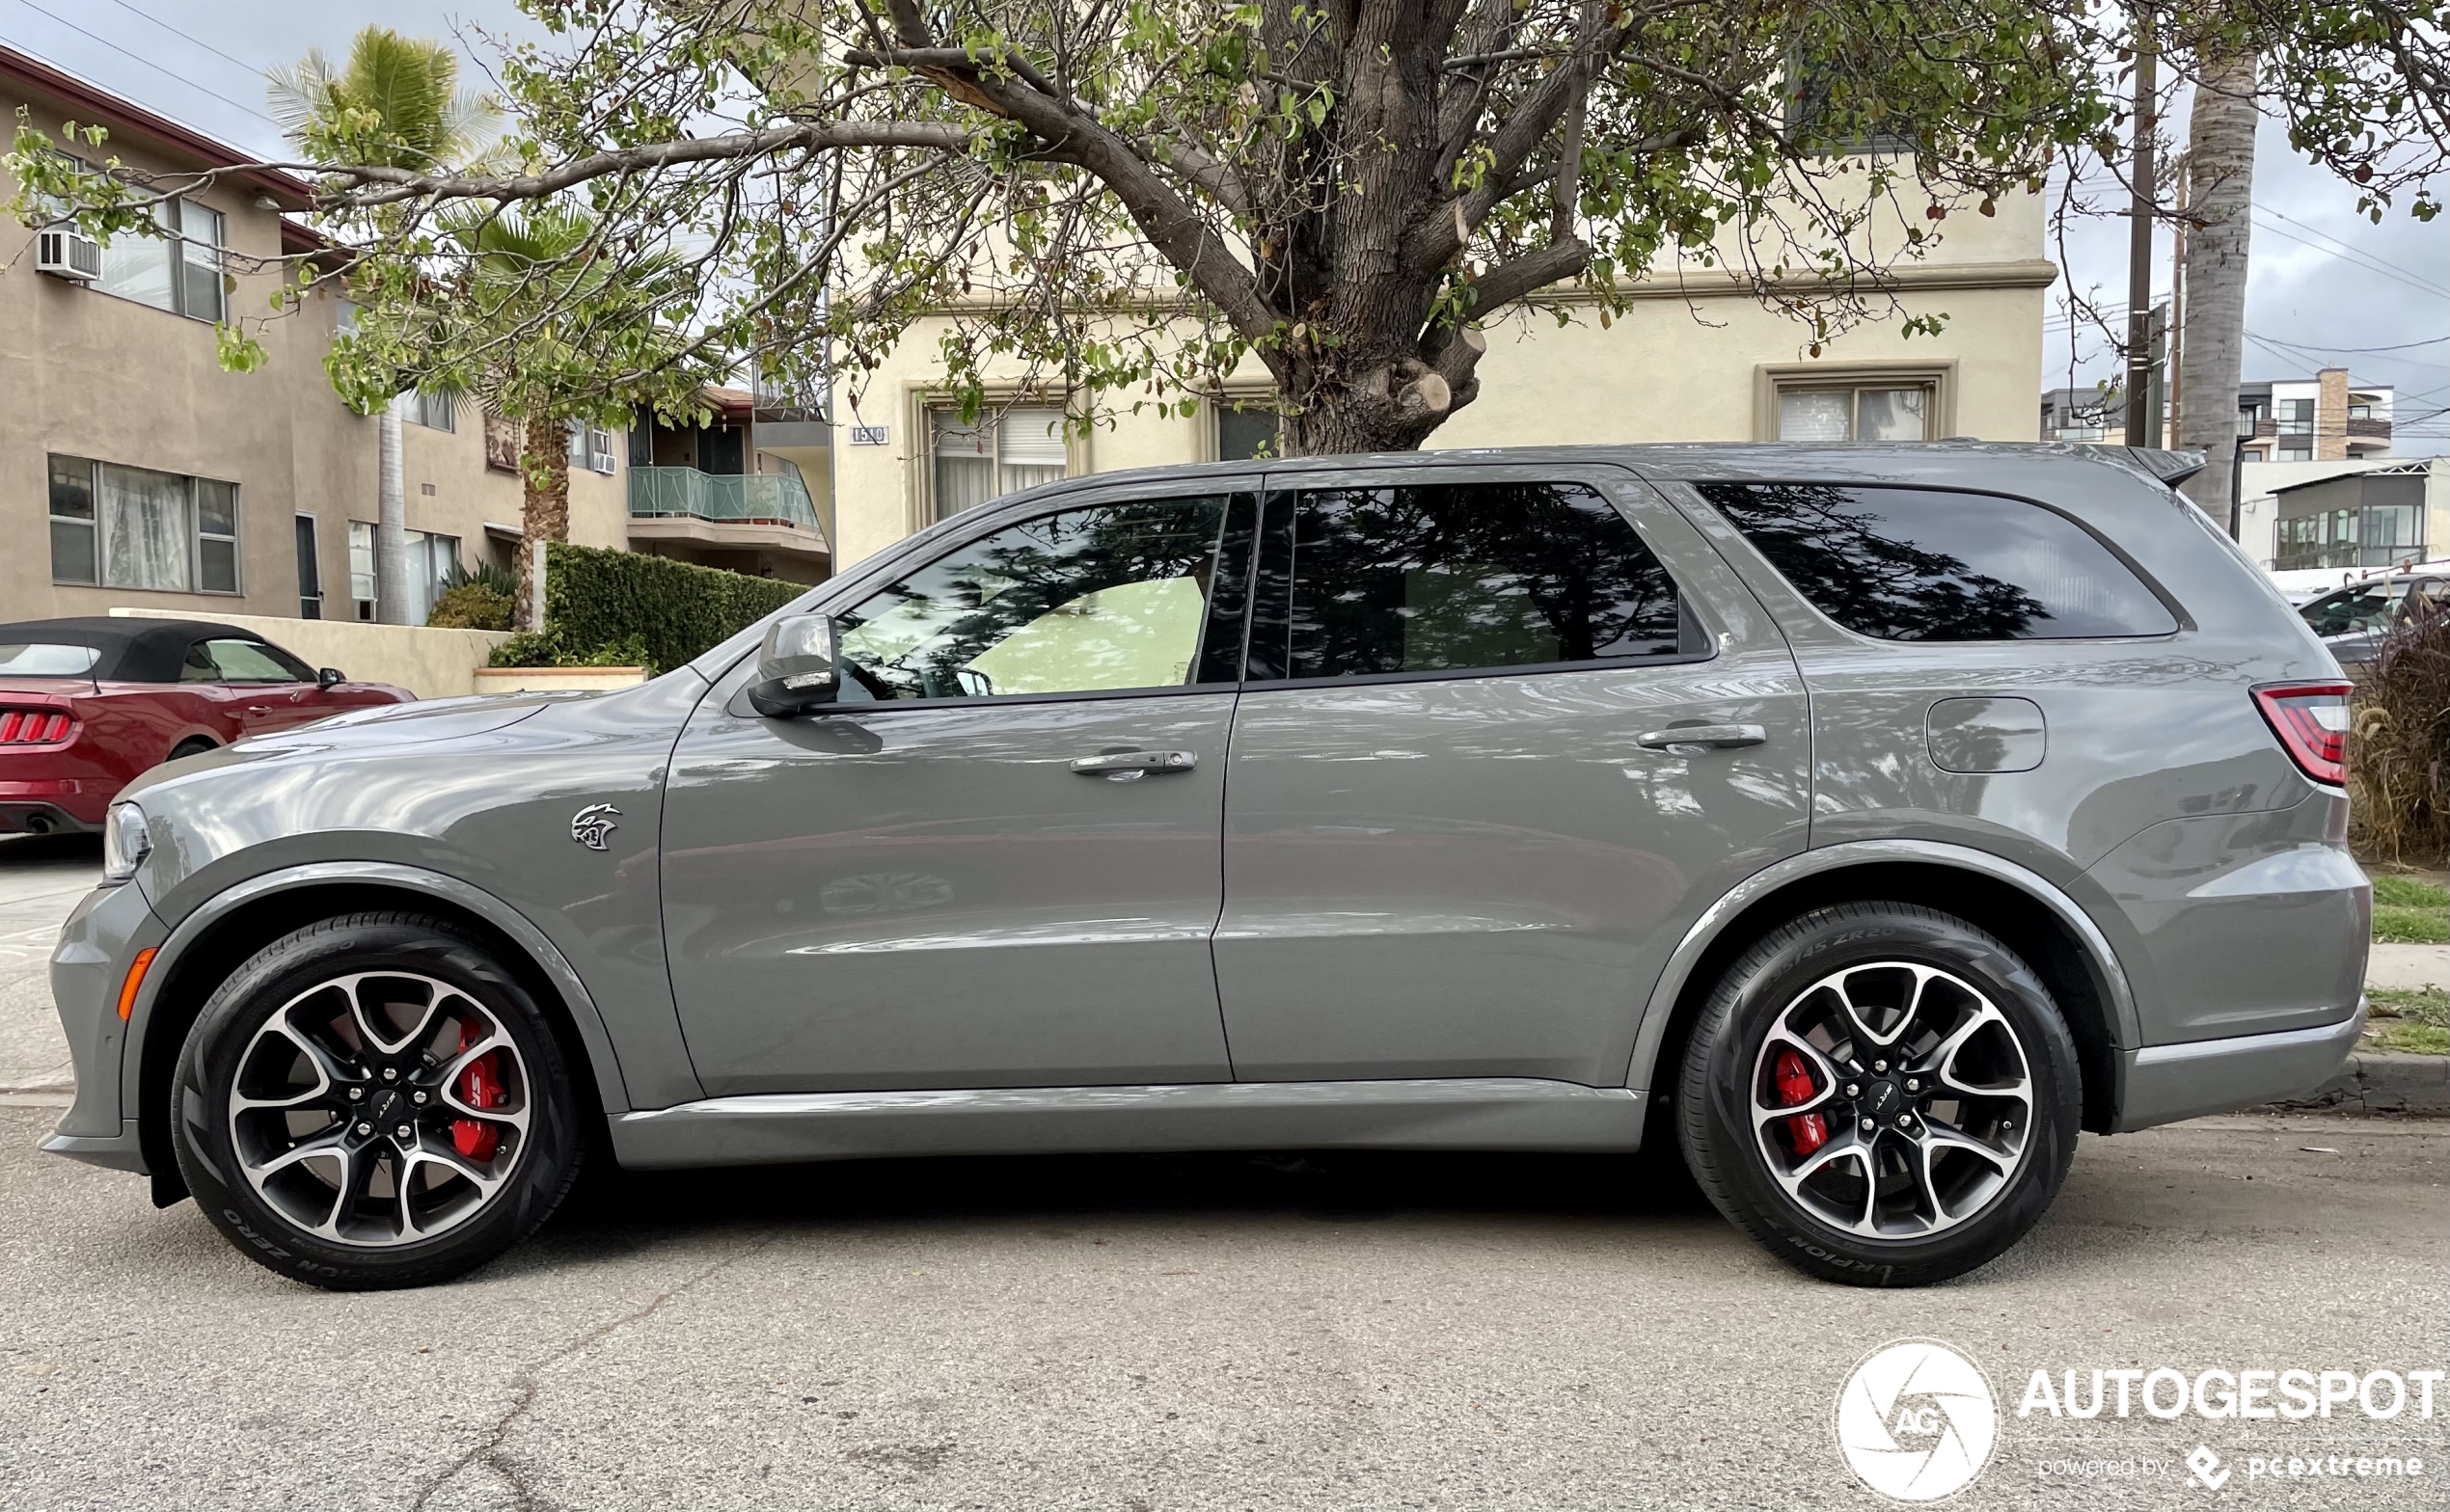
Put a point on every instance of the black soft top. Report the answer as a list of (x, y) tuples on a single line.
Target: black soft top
[(132, 650)]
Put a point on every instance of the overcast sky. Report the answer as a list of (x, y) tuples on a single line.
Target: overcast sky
[(2328, 288)]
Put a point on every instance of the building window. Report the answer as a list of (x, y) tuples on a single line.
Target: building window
[(1885, 411), (1247, 429), (180, 272), (503, 438), (1001, 454), (309, 572), (591, 447), (362, 568), (433, 410), (433, 565), (115, 527)]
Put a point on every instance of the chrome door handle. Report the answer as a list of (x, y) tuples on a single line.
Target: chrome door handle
[(1131, 765), (1694, 739)]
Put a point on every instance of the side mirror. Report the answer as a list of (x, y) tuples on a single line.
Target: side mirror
[(797, 667), (329, 676)]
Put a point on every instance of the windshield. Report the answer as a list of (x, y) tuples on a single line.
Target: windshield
[(35, 659)]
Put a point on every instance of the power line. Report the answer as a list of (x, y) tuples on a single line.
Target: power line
[(2360, 263), (251, 69), (2351, 249), (2368, 351), (150, 63)]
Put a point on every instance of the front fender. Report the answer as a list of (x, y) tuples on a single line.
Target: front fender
[(602, 1056)]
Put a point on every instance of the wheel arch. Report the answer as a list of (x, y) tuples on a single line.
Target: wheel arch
[(2036, 919), (225, 931)]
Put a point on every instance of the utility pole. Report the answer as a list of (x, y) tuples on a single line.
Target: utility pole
[(2143, 423)]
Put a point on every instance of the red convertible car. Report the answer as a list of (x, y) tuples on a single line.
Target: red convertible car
[(86, 705)]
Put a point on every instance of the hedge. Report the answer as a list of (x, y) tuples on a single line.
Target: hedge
[(594, 598)]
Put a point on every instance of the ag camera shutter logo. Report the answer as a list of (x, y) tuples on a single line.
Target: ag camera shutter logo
[(1917, 1420)]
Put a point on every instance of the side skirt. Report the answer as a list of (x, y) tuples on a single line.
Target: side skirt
[(1468, 1112)]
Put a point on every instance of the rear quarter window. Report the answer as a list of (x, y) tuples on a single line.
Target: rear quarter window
[(1931, 564), (36, 658)]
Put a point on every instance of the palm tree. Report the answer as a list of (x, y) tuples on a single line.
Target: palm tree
[(2219, 194), (394, 102), (533, 272)]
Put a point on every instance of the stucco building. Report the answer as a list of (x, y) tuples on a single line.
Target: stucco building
[(1696, 358)]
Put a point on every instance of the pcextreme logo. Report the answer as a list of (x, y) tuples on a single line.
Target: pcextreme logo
[(1917, 1420)]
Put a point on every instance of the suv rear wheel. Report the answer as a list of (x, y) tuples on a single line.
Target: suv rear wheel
[(1881, 1094), (374, 1101)]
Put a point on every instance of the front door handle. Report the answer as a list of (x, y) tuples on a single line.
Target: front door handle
[(1132, 766), (1695, 739)]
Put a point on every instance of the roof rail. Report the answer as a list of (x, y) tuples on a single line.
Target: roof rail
[(2172, 468)]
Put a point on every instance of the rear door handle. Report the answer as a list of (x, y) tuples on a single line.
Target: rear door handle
[(1131, 765), (1694, 739)]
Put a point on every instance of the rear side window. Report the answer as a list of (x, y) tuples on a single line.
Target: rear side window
[(1927, 564), (1465, 576), (36, 658)]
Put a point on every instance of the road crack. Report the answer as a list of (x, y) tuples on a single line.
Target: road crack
[(491, 1454)]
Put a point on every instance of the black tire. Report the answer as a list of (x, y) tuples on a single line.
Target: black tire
[(192, 745), (543, 1160), (1724, 1066)]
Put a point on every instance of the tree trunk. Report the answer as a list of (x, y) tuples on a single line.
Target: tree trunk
[(544, 514), (2220, 190), (391, 522)]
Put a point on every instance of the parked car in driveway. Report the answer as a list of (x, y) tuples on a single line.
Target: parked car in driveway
[(89, 704), (2351, 620), (1865, 820)]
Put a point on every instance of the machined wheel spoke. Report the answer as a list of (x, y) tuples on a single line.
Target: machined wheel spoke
[(1878, 1107), (326, 1184)]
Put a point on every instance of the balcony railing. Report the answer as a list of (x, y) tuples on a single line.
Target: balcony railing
[(732, 498)]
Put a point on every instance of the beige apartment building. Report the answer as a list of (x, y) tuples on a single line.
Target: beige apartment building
[(1694, 359), (135, 472)]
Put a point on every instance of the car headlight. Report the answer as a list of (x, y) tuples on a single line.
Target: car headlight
[(125, 842)]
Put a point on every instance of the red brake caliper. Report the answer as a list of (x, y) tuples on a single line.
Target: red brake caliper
[(480, 1087), (1809, 1130)]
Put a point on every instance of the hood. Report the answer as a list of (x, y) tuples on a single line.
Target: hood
[(466, 715)]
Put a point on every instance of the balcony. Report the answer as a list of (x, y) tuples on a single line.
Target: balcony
[(772, 499), (727, 519)]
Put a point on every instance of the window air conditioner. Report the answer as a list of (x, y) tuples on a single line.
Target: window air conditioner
[(62, 253)]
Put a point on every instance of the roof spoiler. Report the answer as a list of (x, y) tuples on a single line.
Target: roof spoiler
[(2172, 468)]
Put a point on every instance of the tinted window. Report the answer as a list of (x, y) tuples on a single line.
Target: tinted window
[(1924, 564), (1117, 596), (1456, 577), (254, 662)]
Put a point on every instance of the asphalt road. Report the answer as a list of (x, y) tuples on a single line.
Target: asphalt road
[(1196, 1332)]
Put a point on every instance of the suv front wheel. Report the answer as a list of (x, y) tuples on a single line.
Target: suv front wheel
[(1881, 1094), (374, 1101)]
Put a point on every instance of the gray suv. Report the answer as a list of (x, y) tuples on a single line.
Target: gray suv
[(1867, 820)]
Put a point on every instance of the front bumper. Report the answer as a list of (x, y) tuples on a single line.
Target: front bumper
[(102, 935), (2164, 1083)]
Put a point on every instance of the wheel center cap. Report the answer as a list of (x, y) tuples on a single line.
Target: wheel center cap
[(388, 1108), (1882, 1099)]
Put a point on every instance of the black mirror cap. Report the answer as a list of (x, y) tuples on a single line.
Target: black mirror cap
[(797, 667), (329, 676)]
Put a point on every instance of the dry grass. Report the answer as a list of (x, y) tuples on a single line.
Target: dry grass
[(2399, 744)]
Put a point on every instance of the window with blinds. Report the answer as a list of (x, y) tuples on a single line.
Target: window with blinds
[(1002, 453)]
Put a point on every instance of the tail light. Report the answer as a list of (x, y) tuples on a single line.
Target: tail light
[(2311, 720), (34, 726)]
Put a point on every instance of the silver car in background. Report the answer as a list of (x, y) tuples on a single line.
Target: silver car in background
[(1865, 820)]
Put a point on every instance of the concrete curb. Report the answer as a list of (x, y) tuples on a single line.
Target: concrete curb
[(2380, 1081)]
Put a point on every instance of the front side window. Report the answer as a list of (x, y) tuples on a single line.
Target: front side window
[(248, 661), (1002, 453), (1928, 564), (1454, 578), (118, 527), (1890, 411), (1111, 597)]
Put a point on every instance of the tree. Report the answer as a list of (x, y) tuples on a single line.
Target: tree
[(528, 316), (393, 103), (2219, 195), (1128, 197)]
